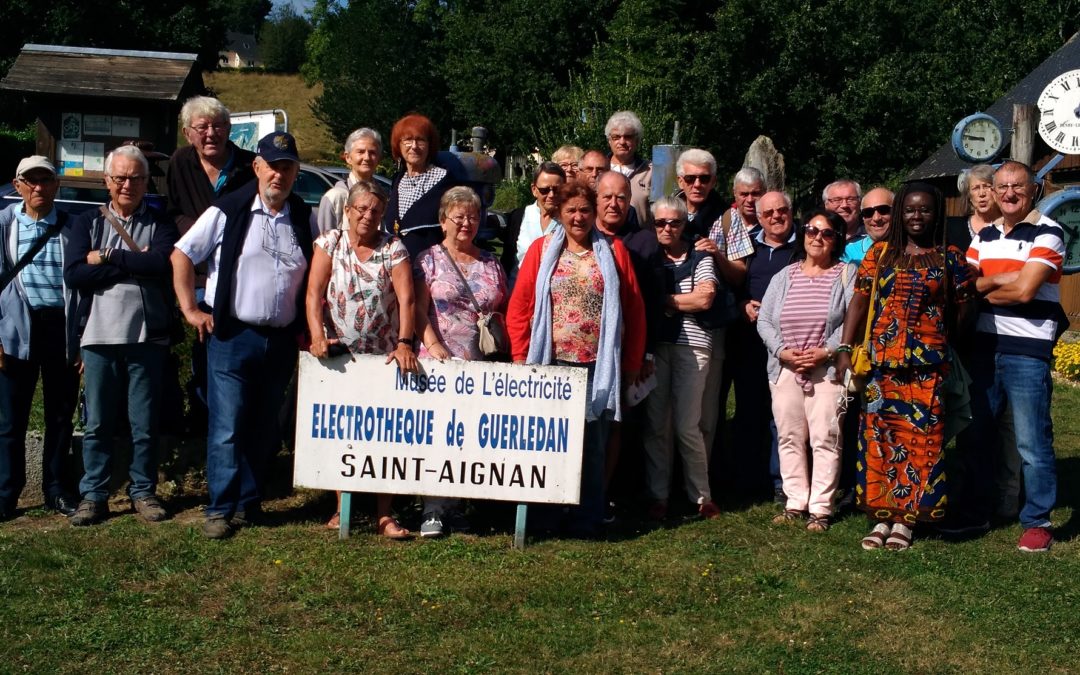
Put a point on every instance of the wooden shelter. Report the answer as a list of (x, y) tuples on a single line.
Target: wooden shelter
[(89, 101), (943, 167)]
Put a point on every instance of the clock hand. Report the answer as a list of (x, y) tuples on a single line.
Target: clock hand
[(974, 138)]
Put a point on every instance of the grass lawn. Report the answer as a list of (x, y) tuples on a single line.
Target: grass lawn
[(734, 594)]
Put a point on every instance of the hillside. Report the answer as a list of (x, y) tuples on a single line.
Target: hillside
[(241, 91)]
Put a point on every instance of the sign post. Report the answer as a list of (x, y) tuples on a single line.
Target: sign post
[(465, 429)]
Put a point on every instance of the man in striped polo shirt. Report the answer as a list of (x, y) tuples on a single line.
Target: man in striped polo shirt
[(1019, 259)]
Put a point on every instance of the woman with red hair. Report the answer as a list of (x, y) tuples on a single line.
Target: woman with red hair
[(413, 211)]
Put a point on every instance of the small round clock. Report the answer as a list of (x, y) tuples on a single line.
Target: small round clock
[(1059, 113), (977, 138), (1064, 208)]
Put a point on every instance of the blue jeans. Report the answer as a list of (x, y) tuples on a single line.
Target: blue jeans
[(1025, 383), (60, 391), (107, 367), (247, 375)]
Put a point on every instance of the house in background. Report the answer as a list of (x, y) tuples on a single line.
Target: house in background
[(241, 51)]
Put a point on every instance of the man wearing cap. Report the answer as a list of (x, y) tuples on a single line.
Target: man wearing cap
[(117, 258), (34, 336), (258, 242)]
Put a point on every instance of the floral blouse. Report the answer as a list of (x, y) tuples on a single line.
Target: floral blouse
[(577, 301), (451, 310), (362, 307), (909, 311)]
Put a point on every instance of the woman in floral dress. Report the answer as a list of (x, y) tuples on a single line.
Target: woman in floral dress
[(360, 295), (923, 290)]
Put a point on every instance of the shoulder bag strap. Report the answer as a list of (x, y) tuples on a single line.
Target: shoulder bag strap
[(453, 263), (873, 297), (35, 247), (120, 230)]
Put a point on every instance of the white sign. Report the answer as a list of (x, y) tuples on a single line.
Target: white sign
[(97, 125), (126, 127), (460, 429)]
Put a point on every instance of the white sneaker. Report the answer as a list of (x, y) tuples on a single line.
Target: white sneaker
[(432, 525)]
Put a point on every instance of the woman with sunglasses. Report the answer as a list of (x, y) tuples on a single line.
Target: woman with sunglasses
[(360, 297), (454, 279), (686, 279), (917, 286), (800, 320)]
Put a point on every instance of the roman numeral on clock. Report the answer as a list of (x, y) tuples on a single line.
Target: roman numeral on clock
[(1050, 126)]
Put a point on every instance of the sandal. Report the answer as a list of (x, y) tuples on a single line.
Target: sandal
[(876, 538), (899, 539), (334, 523), (391, 529), (788, 517), (818, 523)]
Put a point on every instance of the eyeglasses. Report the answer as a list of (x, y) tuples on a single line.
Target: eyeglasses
[(843, 200), (414, 142), (690, 179), (778, 211), (593, 169), (882, 209), (922, 210), (134, 180), (669, 223), (465, 220), (214, 128), (1019, 188), (813, 232), (568, 166), (624, 137), (545, 190), (37, 182), (361, 210)]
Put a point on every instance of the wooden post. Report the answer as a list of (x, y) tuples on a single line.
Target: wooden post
[(1025, 119)]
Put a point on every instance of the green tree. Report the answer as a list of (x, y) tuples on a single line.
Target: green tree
[(377, 60), (506, 62), (282, 41), (245, 16)]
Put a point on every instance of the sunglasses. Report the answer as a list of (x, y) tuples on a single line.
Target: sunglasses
[(869, 211), (690, 179), (672, 223), (813, 232), (546, 190), (779, 211)]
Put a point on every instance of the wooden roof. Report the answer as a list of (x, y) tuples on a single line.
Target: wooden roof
[(944, 161), (106, 73)]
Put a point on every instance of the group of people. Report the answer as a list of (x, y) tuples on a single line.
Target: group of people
[(846, 339)]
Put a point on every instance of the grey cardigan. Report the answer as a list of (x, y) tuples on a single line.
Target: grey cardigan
[(768, 323)]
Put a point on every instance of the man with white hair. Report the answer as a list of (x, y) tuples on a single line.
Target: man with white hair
[(624, 132), (208, 168), (842, 197), (117, 258)]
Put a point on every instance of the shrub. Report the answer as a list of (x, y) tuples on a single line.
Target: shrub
[(1067, 360)]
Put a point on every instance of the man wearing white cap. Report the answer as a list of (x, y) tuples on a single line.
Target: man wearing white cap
[(35, 336)]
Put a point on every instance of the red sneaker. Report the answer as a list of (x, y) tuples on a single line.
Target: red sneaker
[(709, 510), (1035, 540)]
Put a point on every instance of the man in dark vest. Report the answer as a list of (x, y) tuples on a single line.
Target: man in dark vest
[(258, 241)]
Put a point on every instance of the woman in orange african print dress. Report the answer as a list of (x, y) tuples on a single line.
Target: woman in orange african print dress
[(922, 289)]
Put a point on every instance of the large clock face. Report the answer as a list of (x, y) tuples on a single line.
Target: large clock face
[(1059, 110), (1068, 216)]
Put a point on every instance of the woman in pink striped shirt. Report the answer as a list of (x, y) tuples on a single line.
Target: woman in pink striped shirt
[(800, 321)]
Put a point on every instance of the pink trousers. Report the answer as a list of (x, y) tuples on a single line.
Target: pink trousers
[(810, 476)]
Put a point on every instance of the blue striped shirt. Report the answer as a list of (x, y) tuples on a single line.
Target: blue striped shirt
[(43, 278)]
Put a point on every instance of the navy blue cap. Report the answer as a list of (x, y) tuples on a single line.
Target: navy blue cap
[(278, 145)]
